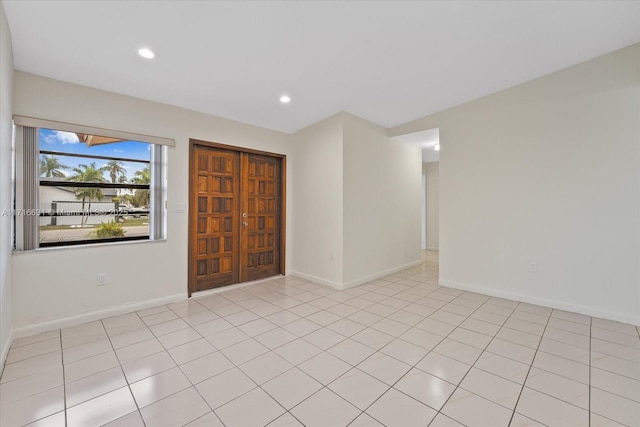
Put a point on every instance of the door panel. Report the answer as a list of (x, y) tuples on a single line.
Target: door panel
[(214, 210), (236, 216), (260, 253)]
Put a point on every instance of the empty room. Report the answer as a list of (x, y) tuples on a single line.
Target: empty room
[(319, 213)]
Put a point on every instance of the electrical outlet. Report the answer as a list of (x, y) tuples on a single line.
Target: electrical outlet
[(533, 267), (102, 279), (180, 208)]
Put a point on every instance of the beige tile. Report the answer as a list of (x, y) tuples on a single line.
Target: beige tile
[(520, 420), (373, 338), (385, 368), (324, 367), (600, 421), (425, 388), (324, 338), (404, 351), (257, 327), (610, 325), (365, 420), (559, 387), (616, 350), (206, 367), (616, 384), (21, 388), (182, 336), (28, 351), (175, 410), (471, 338), (210, 419), (549, 410), (422, 338), (473, 410), (492, 387), (159, 386), (165, 328), (35, 365), (32, 408), (131, 337), (83, 351), (101, 410), (55, 420), (519, 337), (572, 317), (512, 351), (244, 351), (292, 387), (93, 386), (576, 328), (568, 351), (139, 350), (442, 420), (443, 367), (263, 410), (225, 387), (480, 326), (459, 351), (148, 366), (616, 337), (436, 327), (613, 364), (274, 338), (298, 351), (567, 337), (358, 388), (154, 319), (132, 419), (190, 351), (121, 324), (265, 367), (325, 408), (395, 409), (286, 420), (351, 351), (301, 327), (561, 366), (212, 326), (44, 336)]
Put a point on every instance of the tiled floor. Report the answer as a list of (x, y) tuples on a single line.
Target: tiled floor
[(398, 351)]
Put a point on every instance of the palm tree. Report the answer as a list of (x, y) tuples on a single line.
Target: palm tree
[(50, 167), (84, 173), (143, 176), (116, 170)]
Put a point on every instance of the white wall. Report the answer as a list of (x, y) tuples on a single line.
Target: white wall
[(318, 204), (547, 171), (6, 91), (382, 202), (60, 283), (432, 172)]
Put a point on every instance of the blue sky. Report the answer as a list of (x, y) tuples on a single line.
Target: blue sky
[(67, 142)]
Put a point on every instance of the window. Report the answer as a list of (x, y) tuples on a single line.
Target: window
[(79, 187)]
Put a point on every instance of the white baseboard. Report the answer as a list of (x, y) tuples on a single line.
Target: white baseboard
[(380, 274), (315, 279), (94, 315), (559, 305), (5, 352), (356, 282)]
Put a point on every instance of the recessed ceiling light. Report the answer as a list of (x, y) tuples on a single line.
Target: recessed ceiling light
[(285, 99), (437, 146), (146, 53)]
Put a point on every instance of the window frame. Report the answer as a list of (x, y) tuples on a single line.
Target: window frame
[(27, 224)]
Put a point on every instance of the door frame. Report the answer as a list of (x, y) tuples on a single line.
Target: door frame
[(283, 199)]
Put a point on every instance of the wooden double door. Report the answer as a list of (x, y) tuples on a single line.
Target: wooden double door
[(236, 214)]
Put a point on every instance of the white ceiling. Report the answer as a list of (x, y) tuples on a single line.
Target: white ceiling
[(388, 62)]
